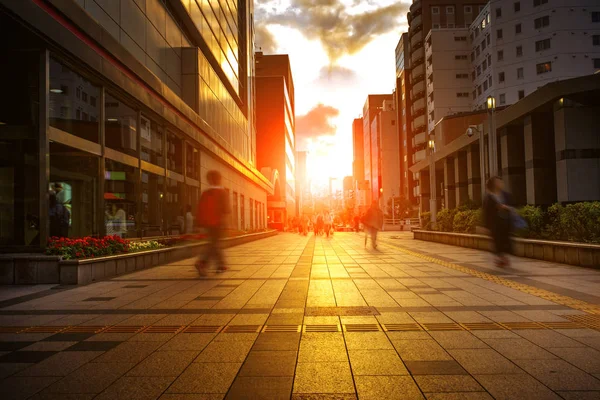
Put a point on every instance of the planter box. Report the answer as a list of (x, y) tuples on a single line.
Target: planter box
[(27, 269), (580, 254)]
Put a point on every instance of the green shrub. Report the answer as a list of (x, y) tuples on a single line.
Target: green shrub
[(426, 220), (535, 218), (468, 205), (580, 222), (466, 221), (445, 219), (553, 225)]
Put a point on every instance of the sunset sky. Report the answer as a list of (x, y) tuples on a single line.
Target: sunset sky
[(340, 51)]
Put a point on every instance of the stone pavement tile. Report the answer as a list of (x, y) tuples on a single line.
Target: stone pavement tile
[(188, 341), (231, 352), (90, 378), (261, 388), (182, 396), (376, 362), (484, 361), (14, 346), (495, 334), (459, 396), (315, 347), (269, 363), (387, 387), (23, 337), (511, 387), (321, 320), (93, 346), (585, 358), (430, 317), (367, 340), (504, 316), (17, 387), (593, 342), (8, 369), (277, 341), (559, 375), (321, 377), (447, 383), (579, 395), (548, 338), (519, 349), (458, 340), (446, 367), (26, 356), (420, 350), (205, 378), (60, 364), (136, 388), (324, 396), (152, 337), (110, 337), (579, 333), (68, 337), (409, 335), (285, 319), (466, 316), (213, 319), (62, 396), (48, 346), (395, 318), (164, 363), (236, 337), (249, 319), (128, 352)]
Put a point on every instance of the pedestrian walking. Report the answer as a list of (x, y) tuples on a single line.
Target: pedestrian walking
[(212, 209), (356, 223), (498, 216), (327, 221), (373, 221)]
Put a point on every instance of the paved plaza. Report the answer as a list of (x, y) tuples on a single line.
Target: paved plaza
[(311, 318)]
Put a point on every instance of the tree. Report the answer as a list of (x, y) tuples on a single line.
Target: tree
[(402, 208)]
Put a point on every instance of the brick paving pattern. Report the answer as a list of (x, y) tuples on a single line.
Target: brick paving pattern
[(311, 318)]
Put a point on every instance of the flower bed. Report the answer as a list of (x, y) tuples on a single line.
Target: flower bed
[(86, 247)]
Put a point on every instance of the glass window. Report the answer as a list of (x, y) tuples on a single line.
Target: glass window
[(435, 10), (174, 153), (543, 68), (152, 204), (120, 199), (501, 77), (151, 138), (498, 12), (520, 73), (242, 213), (192, 160), (541, 22), (519, 51), (499, 34), (595, 16), (518, 28), (521, 94), (70, 110), (596, 63), (500, 55), (502, 98), (120, 126), (539, 2), (517, 6), (73, 183), (542, 45), (175, 206), (596, 40)]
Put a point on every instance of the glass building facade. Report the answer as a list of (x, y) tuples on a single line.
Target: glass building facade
[(113, 139)]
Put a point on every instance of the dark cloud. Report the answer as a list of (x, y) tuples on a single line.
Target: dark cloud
[(315, 124), (330, 21), (336, 74), (264, 40)]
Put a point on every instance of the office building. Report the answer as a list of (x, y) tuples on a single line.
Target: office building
[(303, 202), (520, 46), (372, 142), (358, 146), (385, 126), (121, 108), (275, 133), (403, 106)]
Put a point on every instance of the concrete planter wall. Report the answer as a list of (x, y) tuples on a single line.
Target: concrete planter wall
[(580, 254), (32, 269)]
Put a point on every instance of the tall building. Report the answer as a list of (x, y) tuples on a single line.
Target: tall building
[(122, 108), (403, 111), (389, 154), (358, 146), (372, 150), (275, 126), (302, 184), (519, 46)]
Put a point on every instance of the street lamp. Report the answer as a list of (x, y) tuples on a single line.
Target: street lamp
[(492, 142), (471, 131), (432, 189)]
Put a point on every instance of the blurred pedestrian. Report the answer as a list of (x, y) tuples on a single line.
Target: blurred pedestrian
[(59, 216), (189, 220), (212, 209), (327, 223), (497, 215), (373, 221), (356, 223)]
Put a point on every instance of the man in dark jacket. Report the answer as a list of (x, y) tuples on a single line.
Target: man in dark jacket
[(373, 222)]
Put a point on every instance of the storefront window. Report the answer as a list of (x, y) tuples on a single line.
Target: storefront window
[(174, 153), (176, 208), (74, 103), (120, 126), (120, 199), (192, 161), (73, 187), (151, 137), (152, 204), (192, 198)]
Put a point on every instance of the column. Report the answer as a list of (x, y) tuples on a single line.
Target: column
[(512, 149), (474, 173), (44, 158), (424, 182), (461, 178), (449, 194), (540, 159)]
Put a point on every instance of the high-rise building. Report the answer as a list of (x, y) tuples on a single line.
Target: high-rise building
[(302, 183), (358, 163), (519, 46), (372, 150), (122, 107), (275, 126), (403, 111), (389, 154)]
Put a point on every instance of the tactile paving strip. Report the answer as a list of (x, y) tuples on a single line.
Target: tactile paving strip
[(362, 328), (541, 293)]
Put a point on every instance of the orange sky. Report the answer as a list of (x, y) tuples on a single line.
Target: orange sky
[(340, 51)]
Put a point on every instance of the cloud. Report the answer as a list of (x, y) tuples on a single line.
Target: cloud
[(333, 22), (264, 39), (336, 74), (315, 124)]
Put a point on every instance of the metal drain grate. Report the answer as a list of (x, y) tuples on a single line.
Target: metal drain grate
[(163, 329), (361, 328), (242, 329), (444, 326), (85, 329), (521, 325), (203, 329), (563, 325), (45, 329), (281, 328), (482, 326), (124, 329), (586, 319), (401, 327), (321, 328)]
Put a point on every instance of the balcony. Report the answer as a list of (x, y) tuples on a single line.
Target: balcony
[(417, 88), (419, 156), (419, 139), (418, 105), (417, 37), (416, 72), (417, 54), (418, 122), (416, 21)]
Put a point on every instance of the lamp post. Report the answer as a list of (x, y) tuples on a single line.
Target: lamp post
[(470, 132), (432, 185), (492, 142)]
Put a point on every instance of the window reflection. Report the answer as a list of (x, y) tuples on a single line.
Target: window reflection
[(174, 153), (120, 199), (152, 203), (151, 139), (120, 126), (176, 208), (192, 160), (74, 103)]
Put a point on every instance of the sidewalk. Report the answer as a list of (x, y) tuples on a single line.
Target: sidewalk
[(304, 318)]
